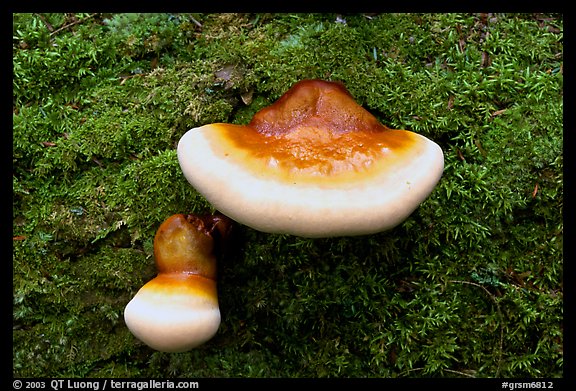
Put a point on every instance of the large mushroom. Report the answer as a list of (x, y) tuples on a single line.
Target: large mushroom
[(313, 164), (178, 309)]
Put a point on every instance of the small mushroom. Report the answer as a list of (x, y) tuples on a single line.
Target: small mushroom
[(313, 164), (178, 309)]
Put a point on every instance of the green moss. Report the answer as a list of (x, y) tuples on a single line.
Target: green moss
[(470, 285)]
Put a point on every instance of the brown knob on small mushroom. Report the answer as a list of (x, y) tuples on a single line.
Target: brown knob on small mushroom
[(178, 309), (313, 164)]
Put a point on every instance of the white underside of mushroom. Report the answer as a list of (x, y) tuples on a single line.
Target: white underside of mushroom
[(175, 325), (308, 209)]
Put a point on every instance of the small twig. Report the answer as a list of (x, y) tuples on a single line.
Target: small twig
[(458, 372), (197, 23), (499, 314), (46, 23), (78, 21), (411, 370), (124, 78)]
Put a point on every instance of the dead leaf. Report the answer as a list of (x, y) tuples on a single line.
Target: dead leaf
[(450, 102), (498, 112), (479, 146), (225, 73), (461, 40), (486, 61), (461, 45), (247, 97), (523, 275), (461, 156)]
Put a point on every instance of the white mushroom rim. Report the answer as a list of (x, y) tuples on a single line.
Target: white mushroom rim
[(313, 164)]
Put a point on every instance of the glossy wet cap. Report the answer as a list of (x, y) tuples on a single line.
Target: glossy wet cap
[(178, 309), (313, 164)]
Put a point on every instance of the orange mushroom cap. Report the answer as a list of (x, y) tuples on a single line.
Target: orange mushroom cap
[(313, 164)]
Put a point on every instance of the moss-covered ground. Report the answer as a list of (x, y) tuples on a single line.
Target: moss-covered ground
[(470, 285)]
